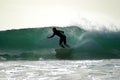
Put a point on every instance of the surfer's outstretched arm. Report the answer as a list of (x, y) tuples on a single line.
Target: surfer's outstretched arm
[(52, 35)]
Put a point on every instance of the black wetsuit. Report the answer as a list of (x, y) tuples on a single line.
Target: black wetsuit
[(62, 37)]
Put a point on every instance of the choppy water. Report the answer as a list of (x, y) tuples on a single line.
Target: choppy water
[(60, 70)]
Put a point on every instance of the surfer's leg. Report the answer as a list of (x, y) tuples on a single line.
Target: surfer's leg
[(60, 43), (65, 43)]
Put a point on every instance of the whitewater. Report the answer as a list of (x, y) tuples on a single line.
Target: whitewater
[(27, 54), (60, 70)]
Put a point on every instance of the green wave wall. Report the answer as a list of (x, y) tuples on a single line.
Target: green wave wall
[(32, 43)]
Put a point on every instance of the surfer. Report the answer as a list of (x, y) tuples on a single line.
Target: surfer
[(61, 35)]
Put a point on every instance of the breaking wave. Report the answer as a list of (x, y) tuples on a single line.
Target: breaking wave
[(32, 44)]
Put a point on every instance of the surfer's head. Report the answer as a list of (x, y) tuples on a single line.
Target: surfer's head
[(54, 29)]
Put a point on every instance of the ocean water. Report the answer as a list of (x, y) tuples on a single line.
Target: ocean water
[(60, 70), (27, 54), (33, 44)]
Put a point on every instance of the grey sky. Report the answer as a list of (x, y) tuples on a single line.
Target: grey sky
[(36, 13)]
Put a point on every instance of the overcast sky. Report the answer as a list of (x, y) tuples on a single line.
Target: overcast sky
[(36, 13)]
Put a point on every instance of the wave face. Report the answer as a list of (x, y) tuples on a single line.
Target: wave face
[(33, 44)]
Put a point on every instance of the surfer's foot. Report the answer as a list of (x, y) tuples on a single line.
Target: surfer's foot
[(62, 46), (67, 46)]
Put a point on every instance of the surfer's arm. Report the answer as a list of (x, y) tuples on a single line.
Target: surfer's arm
[(52, 35)]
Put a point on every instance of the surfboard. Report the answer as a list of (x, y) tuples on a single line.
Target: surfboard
[(63, 50), (63, 53)]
